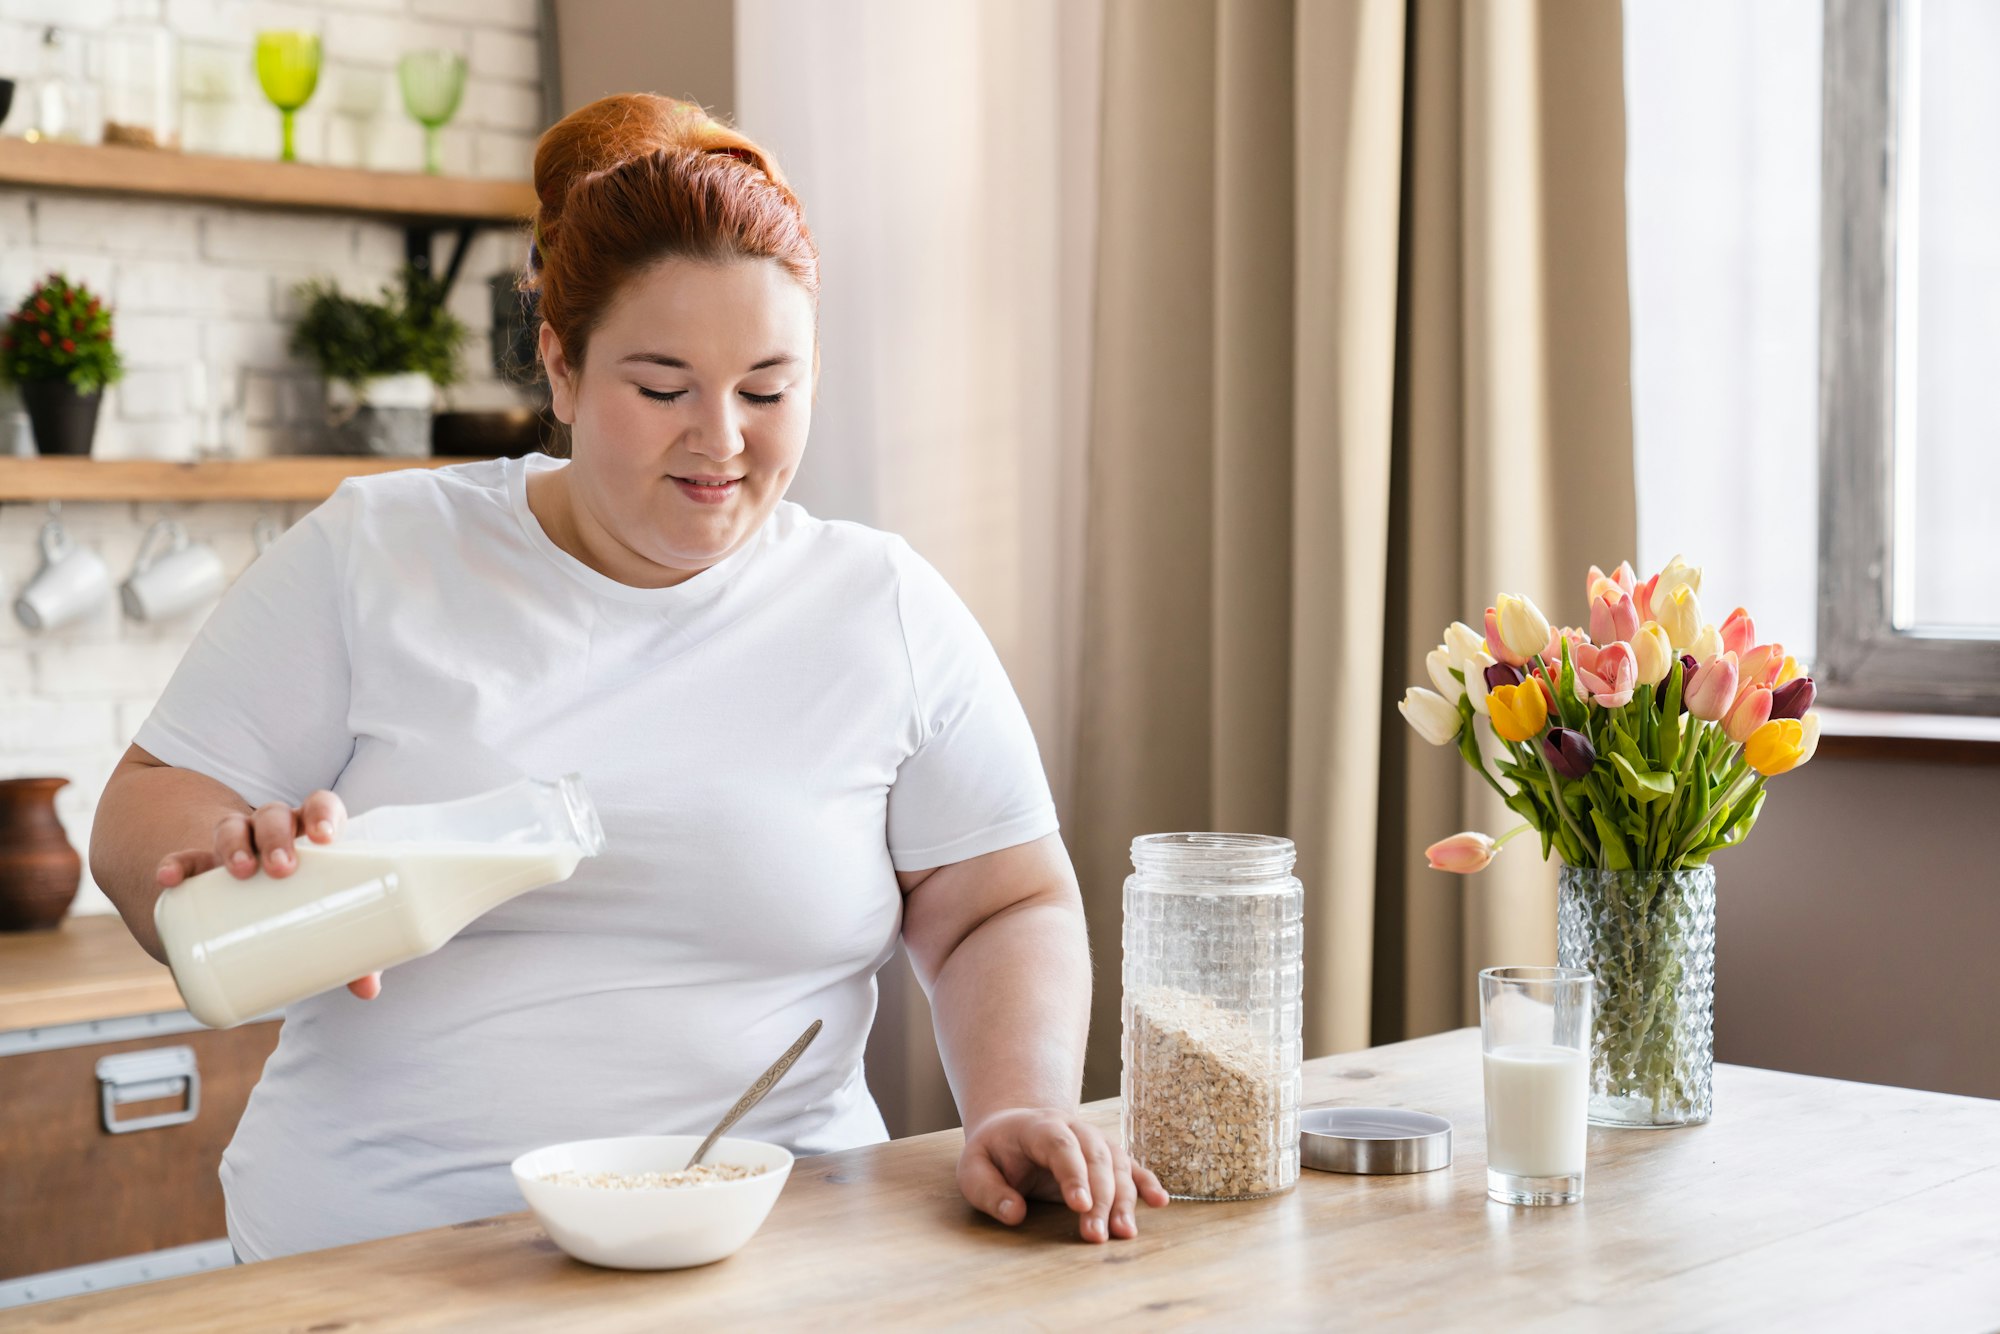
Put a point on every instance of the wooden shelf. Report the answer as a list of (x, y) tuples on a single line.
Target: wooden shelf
[(296, 478), (117, 169)]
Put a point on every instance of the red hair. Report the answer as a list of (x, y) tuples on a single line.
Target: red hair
[(633, 179)]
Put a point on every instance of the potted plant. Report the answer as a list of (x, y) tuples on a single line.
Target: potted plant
[(57, 347), (383, 360), (1637, 749)]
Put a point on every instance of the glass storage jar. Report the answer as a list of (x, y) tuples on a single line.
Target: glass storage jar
[(142, 89), (1211, 1079)]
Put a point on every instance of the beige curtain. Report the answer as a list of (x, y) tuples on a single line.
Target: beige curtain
[(1360, 361)]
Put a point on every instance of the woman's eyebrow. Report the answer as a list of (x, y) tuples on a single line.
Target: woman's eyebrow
[(662, 359)]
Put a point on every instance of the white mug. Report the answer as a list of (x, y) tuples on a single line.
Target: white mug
[(176, 579), (72, 583)]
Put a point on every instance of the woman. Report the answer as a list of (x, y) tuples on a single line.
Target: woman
[(800, 743)]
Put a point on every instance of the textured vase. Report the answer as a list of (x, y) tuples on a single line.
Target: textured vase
[(1649, 940), (39, 870)]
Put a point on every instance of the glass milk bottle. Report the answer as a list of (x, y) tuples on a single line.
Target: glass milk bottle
[(1211, 1080), (398, 884)]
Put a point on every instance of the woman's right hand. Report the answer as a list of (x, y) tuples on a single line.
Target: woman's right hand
[(268, 835)]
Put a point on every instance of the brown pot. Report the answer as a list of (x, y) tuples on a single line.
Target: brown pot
[(39, 871)]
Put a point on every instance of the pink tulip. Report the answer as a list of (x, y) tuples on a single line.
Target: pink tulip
[(1597, 583), (1498, 646), (1761, 665), (1613, 617), (1750, 712), (1612, 678), (1578, 642), (1461, 854), (1738, 635), (1642, 599), (1712, 689)]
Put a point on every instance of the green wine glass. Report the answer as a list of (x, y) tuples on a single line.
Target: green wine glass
[(433, 82), (288, 70)]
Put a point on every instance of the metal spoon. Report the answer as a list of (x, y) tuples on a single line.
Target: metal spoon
[(755, 1094)]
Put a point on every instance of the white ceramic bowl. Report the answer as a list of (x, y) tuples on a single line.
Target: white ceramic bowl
[(666, 1227)]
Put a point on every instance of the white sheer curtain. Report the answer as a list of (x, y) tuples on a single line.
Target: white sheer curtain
[(946, 154), (1722, 114)]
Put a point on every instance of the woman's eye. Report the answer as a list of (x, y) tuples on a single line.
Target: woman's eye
[(669, 396)]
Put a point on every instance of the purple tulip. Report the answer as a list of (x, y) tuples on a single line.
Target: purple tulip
[(1793, 698), (1570, 752), (1500, 674)]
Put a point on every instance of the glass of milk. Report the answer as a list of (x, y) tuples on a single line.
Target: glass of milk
[(1534, 1028)]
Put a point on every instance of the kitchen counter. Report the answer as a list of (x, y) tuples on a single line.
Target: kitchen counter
[(88, 968), (1807, 1203)]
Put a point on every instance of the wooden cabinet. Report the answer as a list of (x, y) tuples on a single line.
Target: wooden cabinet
[(91, 1030), (73, 1192)]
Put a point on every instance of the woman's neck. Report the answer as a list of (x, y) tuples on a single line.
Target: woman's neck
[(567, 520)]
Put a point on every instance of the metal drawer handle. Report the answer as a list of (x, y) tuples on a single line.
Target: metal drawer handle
[(141, 1076)]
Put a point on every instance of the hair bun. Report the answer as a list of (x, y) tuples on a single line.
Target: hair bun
[(627, 127)]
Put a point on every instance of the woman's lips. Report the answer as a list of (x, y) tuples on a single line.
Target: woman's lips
[(708, 493)]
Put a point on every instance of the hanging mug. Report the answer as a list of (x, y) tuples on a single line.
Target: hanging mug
[(72, 583), (178, 577)]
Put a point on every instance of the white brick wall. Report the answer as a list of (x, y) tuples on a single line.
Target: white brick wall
[(203, 299), (71, 698)]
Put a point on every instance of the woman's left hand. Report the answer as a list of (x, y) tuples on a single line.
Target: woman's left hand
[(1045, 1154)]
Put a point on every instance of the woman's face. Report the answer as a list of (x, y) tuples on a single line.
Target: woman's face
[(689, 414)]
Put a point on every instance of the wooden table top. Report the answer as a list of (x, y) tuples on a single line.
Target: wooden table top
[(1807, 1203), (88, 968)]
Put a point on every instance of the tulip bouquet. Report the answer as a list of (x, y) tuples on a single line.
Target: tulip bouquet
[(1636, 749)]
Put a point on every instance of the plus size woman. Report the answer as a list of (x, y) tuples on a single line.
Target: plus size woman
[(802, 747)]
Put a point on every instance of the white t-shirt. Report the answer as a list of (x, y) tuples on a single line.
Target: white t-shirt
[(766, 743)]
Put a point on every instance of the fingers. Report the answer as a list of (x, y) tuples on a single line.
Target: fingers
[(367, 988), (981, 1182), (1095, 1224), (234, 848), (1149, 1187), (1054, 1146), (274, 830), (1123, 1222), (178, 866), (323, 817)]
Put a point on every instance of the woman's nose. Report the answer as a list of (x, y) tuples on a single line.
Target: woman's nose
[(718, 433)]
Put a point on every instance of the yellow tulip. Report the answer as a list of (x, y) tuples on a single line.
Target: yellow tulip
[(1518, 712), (1789, 672), (1777, 747), (1679, 614)]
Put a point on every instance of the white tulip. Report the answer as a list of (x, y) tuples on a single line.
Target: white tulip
[(1438, 662), (1475, 682), (1435, 718), (1464, 644)]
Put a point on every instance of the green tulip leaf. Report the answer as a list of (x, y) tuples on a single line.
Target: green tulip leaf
[(1617, 856), (1642, 784)]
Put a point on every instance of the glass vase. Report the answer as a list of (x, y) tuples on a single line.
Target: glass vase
[(1649, 940)]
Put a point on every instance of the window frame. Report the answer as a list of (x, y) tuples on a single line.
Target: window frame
[(1864, 659)]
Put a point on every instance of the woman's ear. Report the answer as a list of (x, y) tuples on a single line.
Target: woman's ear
[(562, 381)]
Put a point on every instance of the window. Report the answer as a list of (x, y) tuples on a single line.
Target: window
[(1815, 260), (1910, 527)]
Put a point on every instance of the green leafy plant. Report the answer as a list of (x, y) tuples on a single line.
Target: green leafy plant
[(60, 331), (353, 340)]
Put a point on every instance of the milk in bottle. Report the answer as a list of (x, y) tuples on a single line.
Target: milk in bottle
[(398, 884)]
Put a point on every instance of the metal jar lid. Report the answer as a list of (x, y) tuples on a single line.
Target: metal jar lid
[(1373, 1141)]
